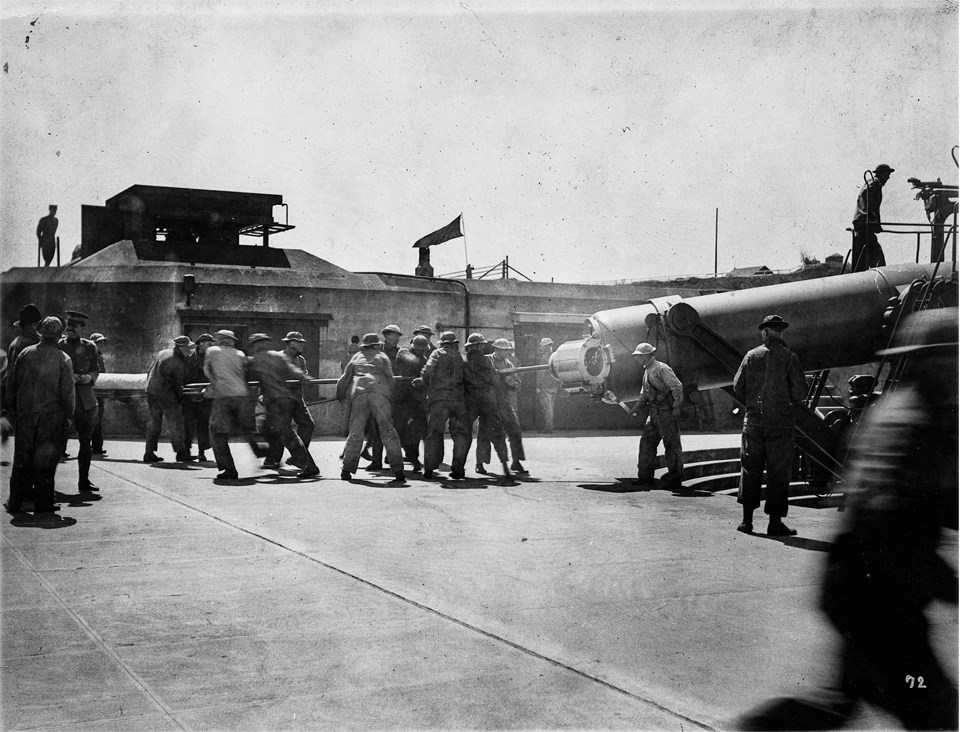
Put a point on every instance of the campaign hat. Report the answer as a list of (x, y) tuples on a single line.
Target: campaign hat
[(883, 168), (644, 349), (97, 337), (773, 321), (257, 338), (392, 329), (448, 336), (182, 340), (371, 340), (220, 334), (29, 314), (294, 335), (546, 342), (503, 344), (204, 337), (425, 330)]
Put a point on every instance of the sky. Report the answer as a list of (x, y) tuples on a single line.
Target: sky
[(586, 141)]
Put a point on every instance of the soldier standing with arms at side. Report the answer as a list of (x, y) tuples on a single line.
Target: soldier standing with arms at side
[(165, 381), (27, 323), (272, 369), (480, 382), (547, 386), (368, 381), (768, 383), (660, 398), (47, 235), (443, 377), (96, 441), (86, 365), (196, 407), (41, 396)]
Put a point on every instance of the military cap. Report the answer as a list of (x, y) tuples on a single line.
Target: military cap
[(28, 314), (97, 337), (392, 329), (74, 317), (425, 330), (448, 336), (51, 326), (476, 339), (204, 337), (294, 335), (371, 340), (775, 322), (220, 334), (257, 338), (883, 168), (644, 349), (420, 343), (546, 342), (182, 340), (503, 344)]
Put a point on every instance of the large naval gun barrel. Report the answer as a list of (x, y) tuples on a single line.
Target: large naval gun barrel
[(835, 321)]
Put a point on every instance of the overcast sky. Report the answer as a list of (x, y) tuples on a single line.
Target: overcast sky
[(585, 140)]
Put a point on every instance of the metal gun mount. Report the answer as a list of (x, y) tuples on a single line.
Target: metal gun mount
[(582, 366)]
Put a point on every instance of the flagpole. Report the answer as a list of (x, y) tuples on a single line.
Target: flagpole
[(463, 229)]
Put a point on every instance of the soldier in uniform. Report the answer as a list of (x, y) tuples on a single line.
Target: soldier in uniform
[(86, 368), (660, 399), (41, 397), (96, 442), (480, 383), (165, 381), (409, 401), (507, 393), (196, 407), (769, 382), (391, 347), (21, 481), (368, 381), (867, 251), (443, 377), (548, 386), (47, 235), (272, 369), (427, 332)]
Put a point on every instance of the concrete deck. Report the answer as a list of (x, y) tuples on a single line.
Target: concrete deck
[(555, 602)]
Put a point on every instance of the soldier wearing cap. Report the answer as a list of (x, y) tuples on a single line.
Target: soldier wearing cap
[(391, 347), (368, 381), (86, 368), (443, 378), (165, 380), (507, 393), (427, 332), (272, 369), (867, 251), (768, 383), (27, 323), (548, 386), (47, 235), (41, 398), (96, 441), (409, 401), (660, 397), (196, 407), (232, 408), (480, 384)]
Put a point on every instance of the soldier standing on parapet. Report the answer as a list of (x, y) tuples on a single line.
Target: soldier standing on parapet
[(443, 377), (867, 251), (660, 398), (47, 235), (86, 369), (41, 398), (368, 382), (165, 380), (768, 383)]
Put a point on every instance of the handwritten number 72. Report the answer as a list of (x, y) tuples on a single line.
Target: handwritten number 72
[(918, 682)]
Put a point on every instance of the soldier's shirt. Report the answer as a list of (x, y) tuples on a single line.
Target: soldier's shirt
[(86, 361)]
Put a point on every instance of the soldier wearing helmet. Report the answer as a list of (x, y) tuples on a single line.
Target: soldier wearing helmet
[(507, 393), (409, 402), (391, 347), (481, 382), (443, 377), (660, 398)]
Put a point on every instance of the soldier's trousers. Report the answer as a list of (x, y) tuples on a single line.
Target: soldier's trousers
[(159, 408), (376, 443), (364, 407), (771, 448), (662, 426), (439, 414), (196, 422), (229, 414), (413, 414), (490, 430), (36, 453), (84, 421), (511, 425), (281, 415), (546, 398), (96, 440)]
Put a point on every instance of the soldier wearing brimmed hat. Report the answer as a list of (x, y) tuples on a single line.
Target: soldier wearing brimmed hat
[(40, 399), (409, 401), (391, 347), (427, 332), (507, 401), (481, 382), (165, 380), (294, 343), (96, 440), (660, 398), (231, 410), (86, 368), (368, 382), (548, 386), (272, 370), (768, 383), (196, 407), (867, 251), (27, 322), (443, 378)]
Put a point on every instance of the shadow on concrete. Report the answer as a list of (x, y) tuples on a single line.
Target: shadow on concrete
[(237, 481), (689, 493), (620, 485), (371, 484), (27, 521), (798, 542), (173, 466), (464, 484), (77, 500)]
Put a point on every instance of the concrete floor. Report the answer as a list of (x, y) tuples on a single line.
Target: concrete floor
[(556, 602)]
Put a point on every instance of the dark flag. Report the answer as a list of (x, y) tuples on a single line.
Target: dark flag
[(450, 231)]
